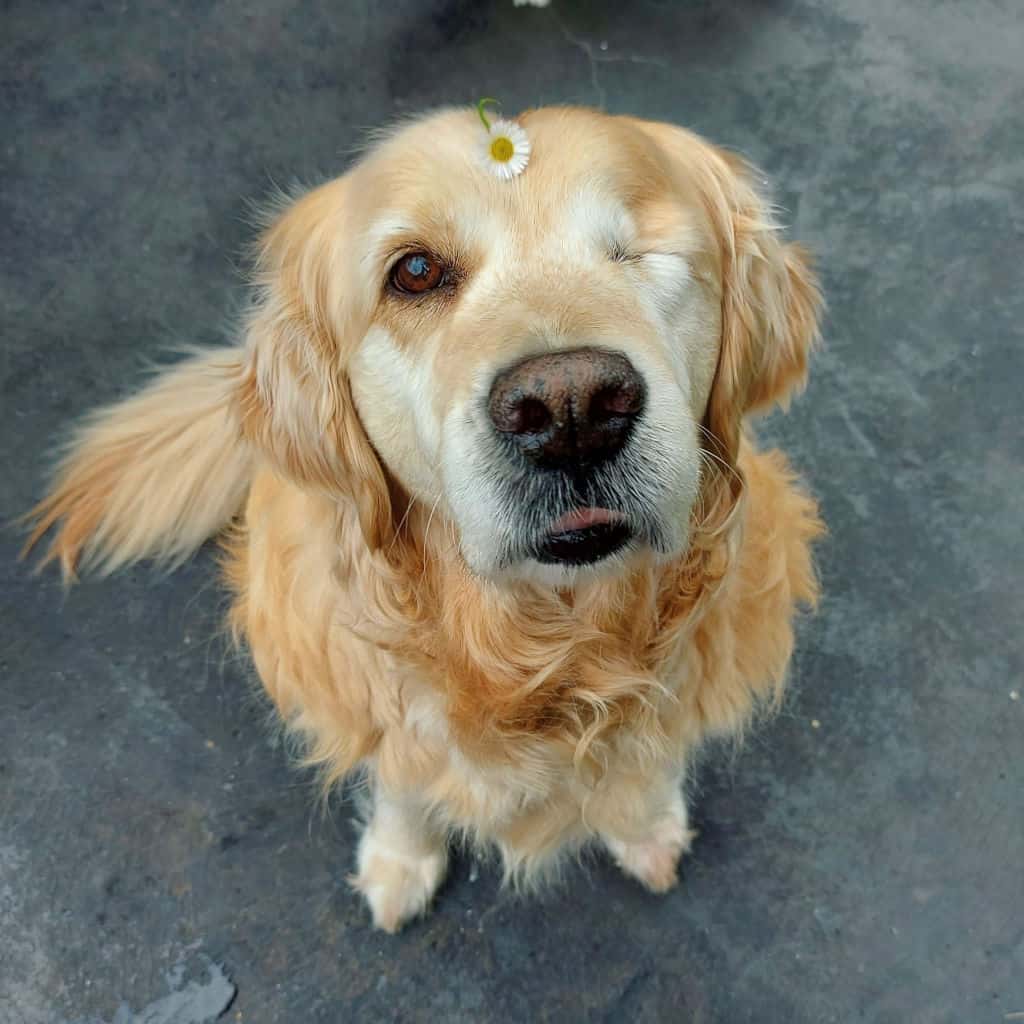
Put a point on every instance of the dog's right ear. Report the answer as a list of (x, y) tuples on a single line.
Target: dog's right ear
[(295, 399)]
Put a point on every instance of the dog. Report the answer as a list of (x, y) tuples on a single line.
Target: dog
[(498, 535)]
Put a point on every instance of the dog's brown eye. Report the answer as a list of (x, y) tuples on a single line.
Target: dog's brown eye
[(418, 272)]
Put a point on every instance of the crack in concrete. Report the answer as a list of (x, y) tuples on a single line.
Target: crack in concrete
[(601, 56), (199, 1000)]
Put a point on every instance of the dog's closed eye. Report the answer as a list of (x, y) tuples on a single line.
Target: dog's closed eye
[(618, 253)]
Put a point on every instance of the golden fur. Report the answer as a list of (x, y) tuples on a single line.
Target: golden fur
[(524, 714)]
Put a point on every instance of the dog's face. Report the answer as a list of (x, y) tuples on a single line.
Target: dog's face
[(547, 363), (543, 348)]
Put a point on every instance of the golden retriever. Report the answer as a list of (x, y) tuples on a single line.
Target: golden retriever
[(496, 534)]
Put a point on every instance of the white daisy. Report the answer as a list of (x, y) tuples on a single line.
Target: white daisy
[(505, 149)]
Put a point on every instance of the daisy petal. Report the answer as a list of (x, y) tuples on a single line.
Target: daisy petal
[(506, 149)]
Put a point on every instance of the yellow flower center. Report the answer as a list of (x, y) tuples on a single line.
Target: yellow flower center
[(502, 149)]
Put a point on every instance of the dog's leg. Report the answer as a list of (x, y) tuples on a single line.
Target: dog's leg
[(649, 849), (402, 860)]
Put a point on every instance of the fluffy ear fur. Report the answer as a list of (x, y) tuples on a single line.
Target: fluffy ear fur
[(770, 306), (296, 402)]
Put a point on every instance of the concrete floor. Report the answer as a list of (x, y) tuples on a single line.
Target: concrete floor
[(861, 859)]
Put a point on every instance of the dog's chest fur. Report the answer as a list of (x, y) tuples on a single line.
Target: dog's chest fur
[(495, 703)]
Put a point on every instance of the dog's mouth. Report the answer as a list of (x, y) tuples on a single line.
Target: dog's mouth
[(584, 536)]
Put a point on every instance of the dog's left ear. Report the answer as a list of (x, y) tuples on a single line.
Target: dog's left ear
[(770, 299), (771, 303)]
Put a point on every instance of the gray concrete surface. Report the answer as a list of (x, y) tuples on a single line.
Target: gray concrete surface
[(861, 859)]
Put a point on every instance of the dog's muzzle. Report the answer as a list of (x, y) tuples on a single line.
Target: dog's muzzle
[(565, 415)]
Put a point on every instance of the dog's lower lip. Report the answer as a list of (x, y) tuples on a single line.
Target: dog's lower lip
[(586, 545)]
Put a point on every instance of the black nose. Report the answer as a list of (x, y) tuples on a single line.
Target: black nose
[(568, 410)]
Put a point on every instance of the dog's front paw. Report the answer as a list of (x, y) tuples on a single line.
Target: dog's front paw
[(398, 885), (654, 861)]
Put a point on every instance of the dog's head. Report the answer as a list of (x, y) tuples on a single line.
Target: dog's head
[(556, 364)]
